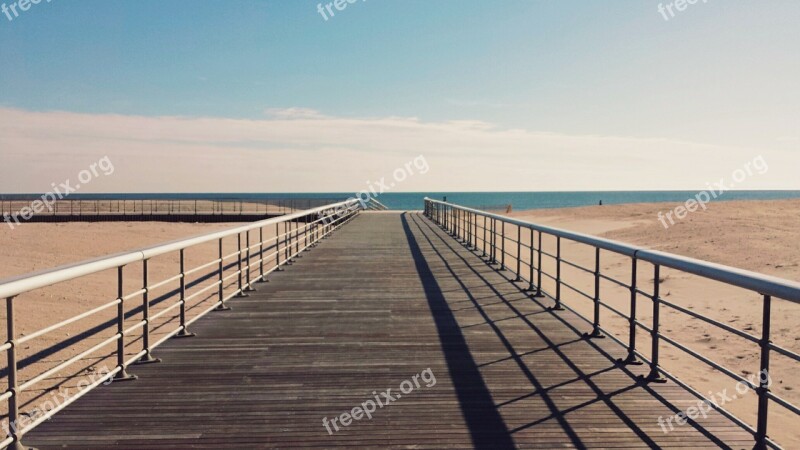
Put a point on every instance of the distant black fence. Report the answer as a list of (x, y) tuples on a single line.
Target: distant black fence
[(20, 209)]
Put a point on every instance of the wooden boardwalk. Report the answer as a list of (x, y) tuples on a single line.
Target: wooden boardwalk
[(384, 299)]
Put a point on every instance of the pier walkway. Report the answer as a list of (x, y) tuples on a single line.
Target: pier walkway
[(383, 300)]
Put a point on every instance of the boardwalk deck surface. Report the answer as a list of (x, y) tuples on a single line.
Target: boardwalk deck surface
[(387, 297)]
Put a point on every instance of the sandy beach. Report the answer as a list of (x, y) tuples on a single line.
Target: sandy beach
[(759, 235)]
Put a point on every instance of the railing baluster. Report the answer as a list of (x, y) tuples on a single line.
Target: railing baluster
[(503, 245), (261, 253), (14, 425), (631, 359), (278, 248), (530, 264), (558, 306), (596, 333), (539, 266), (184, 331), (239, 282), (763, 376), (148, 357), (123, 374), (655, 375), (221, 275), (484, 237), (519, 253)]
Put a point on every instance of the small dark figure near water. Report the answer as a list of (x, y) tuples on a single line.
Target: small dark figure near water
[(601, 203)]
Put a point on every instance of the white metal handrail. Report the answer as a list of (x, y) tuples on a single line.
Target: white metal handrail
[(462, 223), (317, 224)]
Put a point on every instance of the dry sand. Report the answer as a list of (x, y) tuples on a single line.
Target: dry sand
[(762, 236)]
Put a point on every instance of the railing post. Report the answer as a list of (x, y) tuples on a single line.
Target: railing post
[(539, 266), (184, 331), (492, 240), (596, 333), (468, 228), (456, 223), (763, 376), (558, 306), (484, 237), (475, 231), (297, 241), (221, 275), (503, 245), (123, 374), (530, 265), (631, 359), (654, 375), (261, 253), (286, 242), (13, 384), (148, 357), (239, 263), (249, 287), (278, 248), (519, 253)]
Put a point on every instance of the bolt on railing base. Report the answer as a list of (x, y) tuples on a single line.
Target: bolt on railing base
[(629, 361), (17, 445), (595, 334), (123, 375), (222, 307), (184, 334), (147, 359), (556, 308), (655, 378)]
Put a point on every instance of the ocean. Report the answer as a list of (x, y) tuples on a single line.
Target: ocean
[(479, 200)]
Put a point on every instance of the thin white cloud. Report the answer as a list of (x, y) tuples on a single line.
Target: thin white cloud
[(302, 150)]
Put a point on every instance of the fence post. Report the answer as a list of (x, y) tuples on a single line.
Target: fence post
[(122, 375), (596, 333), (221, 275), (654, 375), (530, 265), (558, 306), (484, 237), (148, 357), (519, 253), (184, 331), (261, 253), (493, 240), (278, 248), (539, 266), (249, 287), (503, 245), (14, 425), (631, 359), (763, 376)]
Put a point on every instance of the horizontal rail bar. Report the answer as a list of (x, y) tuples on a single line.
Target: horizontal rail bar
[(17, 285), (763, 284)]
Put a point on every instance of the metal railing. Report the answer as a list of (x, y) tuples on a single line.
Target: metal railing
[(254, 259), (375, 205), (486, 233)]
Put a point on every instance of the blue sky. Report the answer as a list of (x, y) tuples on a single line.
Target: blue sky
[(719, 74)]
